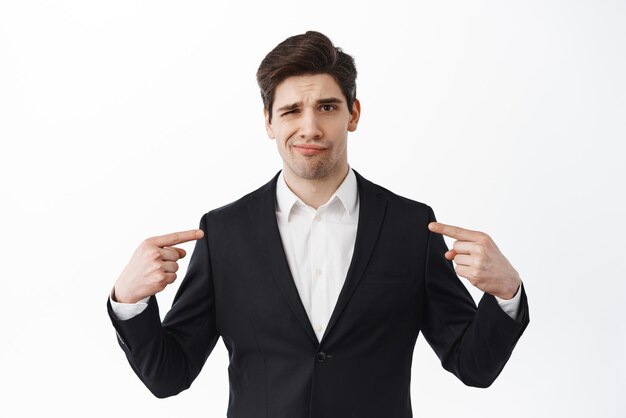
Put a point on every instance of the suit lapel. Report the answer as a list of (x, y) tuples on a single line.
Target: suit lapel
[(372, 205), (262, 211)]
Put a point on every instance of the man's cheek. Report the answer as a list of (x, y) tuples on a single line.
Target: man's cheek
[(288, 138)]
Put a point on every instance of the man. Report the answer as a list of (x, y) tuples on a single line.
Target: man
[(320, 281)]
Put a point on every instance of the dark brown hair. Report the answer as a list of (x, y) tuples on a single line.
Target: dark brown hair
[(310, 53)]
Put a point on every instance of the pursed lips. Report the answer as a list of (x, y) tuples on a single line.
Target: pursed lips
[(309, 149)]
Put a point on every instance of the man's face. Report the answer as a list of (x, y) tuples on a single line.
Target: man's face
[(310, 123)]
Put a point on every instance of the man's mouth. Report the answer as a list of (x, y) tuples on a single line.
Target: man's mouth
[(309, 149)]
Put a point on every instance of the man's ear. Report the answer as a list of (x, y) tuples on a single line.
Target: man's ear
[(268, 125), (354, 117)]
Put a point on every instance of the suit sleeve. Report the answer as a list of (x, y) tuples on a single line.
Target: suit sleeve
[(168, 356), (474, 343)]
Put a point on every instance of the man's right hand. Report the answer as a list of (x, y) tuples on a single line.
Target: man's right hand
[(153, 266)]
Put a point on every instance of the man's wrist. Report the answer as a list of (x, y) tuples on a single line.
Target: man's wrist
[(121, 302), (511, 306), (514, 287), (124, 311)]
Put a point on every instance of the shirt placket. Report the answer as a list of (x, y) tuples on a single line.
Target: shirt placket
[(319, 284)]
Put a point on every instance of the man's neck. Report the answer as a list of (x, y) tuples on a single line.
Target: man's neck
[(315, 192)]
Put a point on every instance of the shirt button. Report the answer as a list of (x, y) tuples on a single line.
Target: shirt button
[(318, 272), (317, 218), (319, 328)]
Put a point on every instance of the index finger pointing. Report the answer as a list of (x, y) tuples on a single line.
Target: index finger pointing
[(454, 231), (177, 237)]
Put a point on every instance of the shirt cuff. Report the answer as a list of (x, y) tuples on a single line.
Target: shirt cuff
[(511, 306), (124, 311)]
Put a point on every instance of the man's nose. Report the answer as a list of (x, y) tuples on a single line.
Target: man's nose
[(309, 127)]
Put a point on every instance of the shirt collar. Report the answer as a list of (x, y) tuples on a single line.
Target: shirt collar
[(346, 193)]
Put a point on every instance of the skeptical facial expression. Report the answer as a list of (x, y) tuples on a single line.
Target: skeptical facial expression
[(310, 123)]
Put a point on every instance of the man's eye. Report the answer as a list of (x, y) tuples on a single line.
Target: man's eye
[(289, 112), (327, 107)]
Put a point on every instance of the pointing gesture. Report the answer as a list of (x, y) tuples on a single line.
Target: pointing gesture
[(478, 259), (153, 266)]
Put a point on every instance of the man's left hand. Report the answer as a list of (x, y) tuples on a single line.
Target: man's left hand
[(480, 261)]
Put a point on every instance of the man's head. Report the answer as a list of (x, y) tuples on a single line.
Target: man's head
[(310, 53), (308, 88)]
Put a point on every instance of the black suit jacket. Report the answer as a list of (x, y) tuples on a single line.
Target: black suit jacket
[(238, 286)]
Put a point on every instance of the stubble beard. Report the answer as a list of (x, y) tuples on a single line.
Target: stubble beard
[(314, 167), (313, 170)]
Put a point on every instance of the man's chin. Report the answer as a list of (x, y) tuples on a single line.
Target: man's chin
[(311, 171)]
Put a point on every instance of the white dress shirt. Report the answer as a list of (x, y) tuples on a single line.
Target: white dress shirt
[(318, 244)]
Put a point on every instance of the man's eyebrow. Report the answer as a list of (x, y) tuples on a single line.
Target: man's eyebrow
[(292, 106), (289, 107), (329, 100)]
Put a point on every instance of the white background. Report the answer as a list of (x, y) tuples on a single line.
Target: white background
[(121, 120)]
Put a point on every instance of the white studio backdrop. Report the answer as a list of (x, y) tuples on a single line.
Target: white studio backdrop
[(121, 120)]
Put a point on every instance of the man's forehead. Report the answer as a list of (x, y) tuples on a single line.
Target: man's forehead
[(305, 88)]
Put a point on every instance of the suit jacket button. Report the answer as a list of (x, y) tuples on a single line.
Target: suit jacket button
[(321, 357)]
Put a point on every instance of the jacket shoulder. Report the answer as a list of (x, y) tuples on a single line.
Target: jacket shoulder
[(397, 202), (397, 199), (239, 207)]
